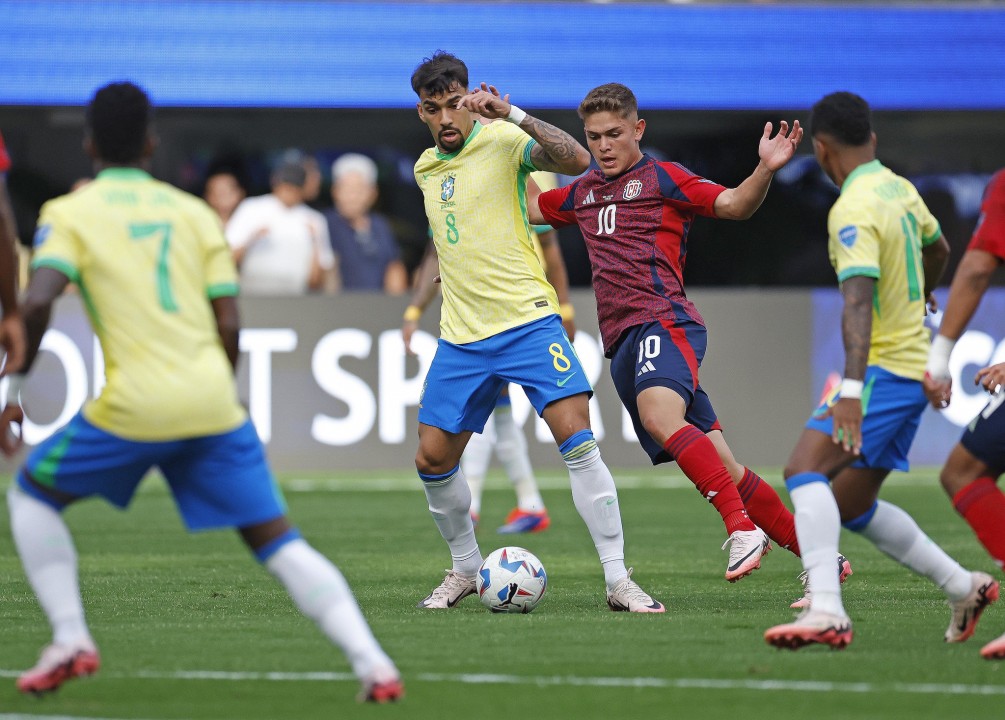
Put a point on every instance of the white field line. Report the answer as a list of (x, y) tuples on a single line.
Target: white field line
[(570, 681)]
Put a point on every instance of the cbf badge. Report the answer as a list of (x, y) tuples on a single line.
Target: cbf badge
[(848, 235), (447, 188)]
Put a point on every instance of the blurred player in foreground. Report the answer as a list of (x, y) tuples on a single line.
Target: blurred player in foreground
[(978, 460), (501, 433), (11, 327), (634, 213), (160, 287), (889, 253), (500, 320)]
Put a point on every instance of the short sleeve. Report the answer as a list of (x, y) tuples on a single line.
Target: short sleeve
[(853, 244), (929, 225), (220, 271), (56, 244), (555, 207), (515, 143), (243, 224), (989, 235), (687, 191), (318, 228), (4, 157)]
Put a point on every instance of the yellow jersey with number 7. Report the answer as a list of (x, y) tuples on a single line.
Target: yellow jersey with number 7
[(877, 228), (475, 199), (148, 258)]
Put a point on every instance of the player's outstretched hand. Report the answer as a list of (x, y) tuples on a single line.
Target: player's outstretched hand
[(10, 442), (778, 150), (938, 391), (487, 102), (931, 304), (992, 378)]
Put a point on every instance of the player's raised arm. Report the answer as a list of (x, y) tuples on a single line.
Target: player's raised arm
[(741, 202), (556, 151)]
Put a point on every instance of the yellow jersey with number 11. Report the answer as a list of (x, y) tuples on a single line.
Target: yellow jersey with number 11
[(148, 258), (475, 201), (877, 229)]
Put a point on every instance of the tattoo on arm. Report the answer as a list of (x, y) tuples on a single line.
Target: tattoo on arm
[(556, 151), (856, 324)]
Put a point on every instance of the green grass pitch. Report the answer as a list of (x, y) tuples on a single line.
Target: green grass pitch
[(189, 626)]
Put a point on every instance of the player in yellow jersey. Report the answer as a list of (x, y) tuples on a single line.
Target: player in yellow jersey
[(500, 319), (501, 433), (159, 284), (889, 253)]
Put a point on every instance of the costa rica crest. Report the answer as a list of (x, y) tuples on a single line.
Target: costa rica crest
[(632, 189), (447, 188)]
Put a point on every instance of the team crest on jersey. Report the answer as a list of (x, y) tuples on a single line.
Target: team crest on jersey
[(447, 188), (848, 235), (632, 189), (41, 234)]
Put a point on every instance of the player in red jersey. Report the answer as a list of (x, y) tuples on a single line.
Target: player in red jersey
[(12, 334), (635, 214), (978, 460)]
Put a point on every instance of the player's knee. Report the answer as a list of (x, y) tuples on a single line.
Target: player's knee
[(952, 482), (429, 463)]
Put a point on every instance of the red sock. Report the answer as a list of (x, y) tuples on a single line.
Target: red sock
[(767, 510), (696, 456), (982, 505)]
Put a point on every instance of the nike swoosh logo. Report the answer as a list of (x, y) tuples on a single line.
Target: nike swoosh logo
[(563, 381), (742, 560), (451, 603)]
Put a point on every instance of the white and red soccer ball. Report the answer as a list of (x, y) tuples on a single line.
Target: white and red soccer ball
[(511, 580)]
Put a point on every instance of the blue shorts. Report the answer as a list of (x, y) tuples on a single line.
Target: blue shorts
[(464, 381), (216, 480), (663, 355), (891, 410), (985, 435)]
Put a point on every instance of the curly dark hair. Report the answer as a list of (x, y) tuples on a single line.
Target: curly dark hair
[(844, 116), (437, 74), (118, 118)]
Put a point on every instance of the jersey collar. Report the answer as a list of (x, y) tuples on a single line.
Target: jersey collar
[(863, 169), (475, 129), (123, 173)]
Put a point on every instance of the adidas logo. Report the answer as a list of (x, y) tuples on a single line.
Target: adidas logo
[(588, 199), (648, 367)]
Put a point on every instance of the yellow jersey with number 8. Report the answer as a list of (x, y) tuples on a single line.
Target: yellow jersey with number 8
[(148, 258), (877, 229), (475, 199)]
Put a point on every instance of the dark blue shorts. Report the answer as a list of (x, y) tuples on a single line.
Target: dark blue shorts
[(891, 411), (664, 355), (217, 480), (985, 435), (464, 381)]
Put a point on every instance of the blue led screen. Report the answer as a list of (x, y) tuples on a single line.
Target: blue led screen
[(289, 53)]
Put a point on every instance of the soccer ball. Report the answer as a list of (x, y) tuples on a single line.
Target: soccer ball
[(511, 580)]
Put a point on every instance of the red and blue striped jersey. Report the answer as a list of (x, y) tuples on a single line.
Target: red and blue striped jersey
[(989, 235), (635, 227)]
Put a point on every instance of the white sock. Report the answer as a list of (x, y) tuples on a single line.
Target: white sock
[(596, 499), (475, 463), (322, 594), (897, 534), (50, 561), (818, 527), (450, 504), (511, 448)]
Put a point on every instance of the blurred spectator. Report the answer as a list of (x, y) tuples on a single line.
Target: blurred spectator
[(12, 332), (280, 245), (368, 257), (312, 186), (224, 191)]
